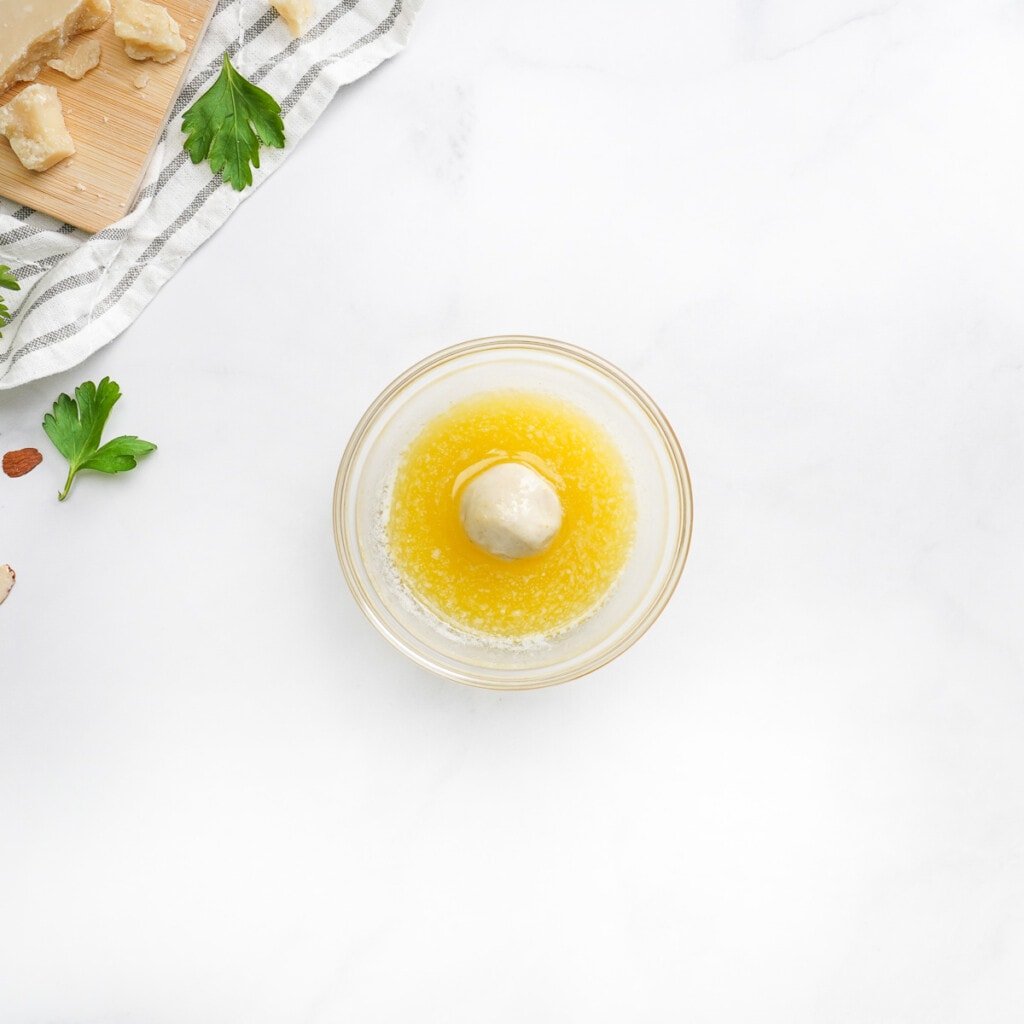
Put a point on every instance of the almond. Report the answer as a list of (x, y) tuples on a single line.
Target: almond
[(22, 461)]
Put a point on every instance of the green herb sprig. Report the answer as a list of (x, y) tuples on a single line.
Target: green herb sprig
[(228, 124), (76, 424), (8, 282)]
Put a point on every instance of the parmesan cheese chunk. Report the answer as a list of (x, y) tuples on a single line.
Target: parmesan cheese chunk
[(34, 124), (296, 13), (148, 31), (79, 62), (33, 31)]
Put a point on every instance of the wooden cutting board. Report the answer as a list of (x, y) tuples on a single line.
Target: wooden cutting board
[(114, 123)]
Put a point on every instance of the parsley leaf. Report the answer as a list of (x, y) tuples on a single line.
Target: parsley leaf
[(75, 427), (228, 124), (8, 282)]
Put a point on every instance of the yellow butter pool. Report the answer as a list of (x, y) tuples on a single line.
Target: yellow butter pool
[(472, 589)]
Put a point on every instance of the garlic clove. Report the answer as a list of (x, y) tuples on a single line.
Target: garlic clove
[(7, 578)]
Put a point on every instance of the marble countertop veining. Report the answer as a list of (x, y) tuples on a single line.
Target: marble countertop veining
[(801, 797)]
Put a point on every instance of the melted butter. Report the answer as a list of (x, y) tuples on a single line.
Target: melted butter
[(465, 585)]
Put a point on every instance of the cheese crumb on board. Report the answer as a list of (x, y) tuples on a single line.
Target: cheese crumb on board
[(78, 62), (148, 31), (296, 13), (141, 80), (34, 125), (33, 31)]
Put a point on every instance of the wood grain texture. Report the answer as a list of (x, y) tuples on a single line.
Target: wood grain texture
[(115, 127)]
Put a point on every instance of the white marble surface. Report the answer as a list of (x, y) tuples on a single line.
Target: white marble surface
[(801, 798)]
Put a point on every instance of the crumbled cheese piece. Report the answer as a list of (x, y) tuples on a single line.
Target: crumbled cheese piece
[(78, 62), (33, 31), (296, 13), (141, 80), (79, 187), (148, 31), (34, 124), (510, 510)]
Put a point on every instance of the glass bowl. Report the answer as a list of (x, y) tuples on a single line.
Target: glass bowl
[(643, 435)]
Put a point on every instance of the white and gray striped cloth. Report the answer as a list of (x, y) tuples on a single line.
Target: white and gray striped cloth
[(79, 291)]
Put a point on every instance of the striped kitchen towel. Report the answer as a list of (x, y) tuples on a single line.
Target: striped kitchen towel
[(79, 291)]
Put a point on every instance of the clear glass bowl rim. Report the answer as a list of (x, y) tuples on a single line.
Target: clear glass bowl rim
[(553, 674)]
